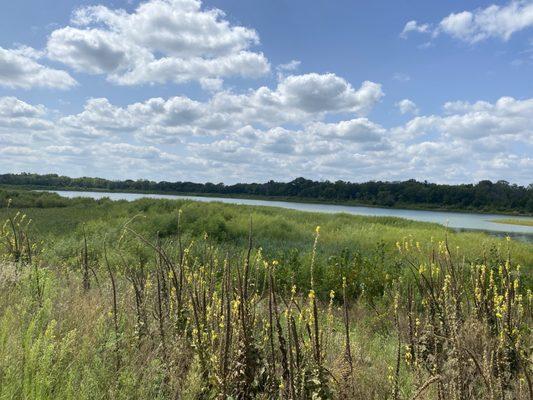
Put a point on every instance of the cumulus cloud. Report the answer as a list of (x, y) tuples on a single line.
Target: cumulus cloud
[(295, 100), (19, 115), (407, 106), (221, 139), (314, 93), (494, 21), (507, 119), (356, 130), (19, 68), (491, 22), (161, 41)]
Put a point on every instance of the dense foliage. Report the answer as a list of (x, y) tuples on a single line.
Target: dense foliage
[(483, 196), (160, 299)]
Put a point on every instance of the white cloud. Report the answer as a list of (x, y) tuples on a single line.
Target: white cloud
[(507, 119), (356, 130), (162, 41), (221, 139), (494, 21), (313, 93), (19, 69), (407, 106), (413, 26), (11, 107), (296, 99), (18, 115), (289, 67), (491, 22), (292, 65)]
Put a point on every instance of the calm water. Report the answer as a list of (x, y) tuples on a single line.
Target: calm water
[(458, 221)]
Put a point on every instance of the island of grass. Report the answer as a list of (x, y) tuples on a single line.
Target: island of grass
[(511, 221)]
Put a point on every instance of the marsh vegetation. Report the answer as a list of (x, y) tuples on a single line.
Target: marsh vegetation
[(159, 299)]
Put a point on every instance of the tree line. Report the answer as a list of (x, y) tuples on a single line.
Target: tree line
[(483, 196)]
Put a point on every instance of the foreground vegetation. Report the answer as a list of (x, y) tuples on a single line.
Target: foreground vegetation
[(162, 299), (484, 196)]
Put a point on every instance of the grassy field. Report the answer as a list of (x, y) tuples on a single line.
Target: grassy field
[(513, 222), (158, 299)]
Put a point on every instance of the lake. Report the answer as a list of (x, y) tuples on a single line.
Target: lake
[(454, 220)]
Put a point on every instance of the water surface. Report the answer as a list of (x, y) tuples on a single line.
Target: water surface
[(455, 220)]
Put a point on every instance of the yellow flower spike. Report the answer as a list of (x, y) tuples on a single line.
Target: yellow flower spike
[(317, 230), (312, 294)]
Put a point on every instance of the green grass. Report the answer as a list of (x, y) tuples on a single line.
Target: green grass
[(285, 235), (58, 340), (511, 221)]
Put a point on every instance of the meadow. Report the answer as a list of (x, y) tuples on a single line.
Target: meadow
[(160, 299)]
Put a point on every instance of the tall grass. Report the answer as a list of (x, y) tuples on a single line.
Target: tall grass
[(207, 303)]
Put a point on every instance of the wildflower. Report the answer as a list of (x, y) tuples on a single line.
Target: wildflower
[(408, 355)]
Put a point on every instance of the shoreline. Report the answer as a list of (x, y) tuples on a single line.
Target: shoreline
[(289, 199)]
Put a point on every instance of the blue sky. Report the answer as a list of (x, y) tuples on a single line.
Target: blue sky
[(233, 91)]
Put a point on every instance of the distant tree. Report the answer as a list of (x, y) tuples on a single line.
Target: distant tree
[(485, 195)]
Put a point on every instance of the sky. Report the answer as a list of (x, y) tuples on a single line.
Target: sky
[(249, 91)]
